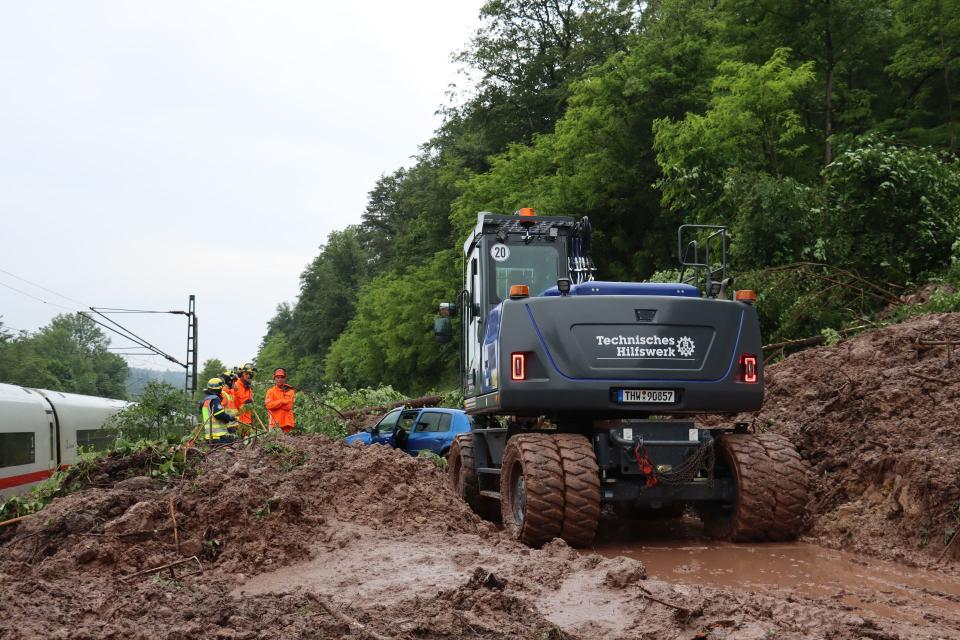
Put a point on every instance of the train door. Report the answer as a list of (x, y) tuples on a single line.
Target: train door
[(27, 440), (81, 422)]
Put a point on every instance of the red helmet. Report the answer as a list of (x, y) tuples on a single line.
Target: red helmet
[(280, 372)]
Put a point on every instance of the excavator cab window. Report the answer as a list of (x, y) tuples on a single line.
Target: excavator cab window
[(537, 266)]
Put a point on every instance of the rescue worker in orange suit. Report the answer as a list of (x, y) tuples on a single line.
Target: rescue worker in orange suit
[(279, 402), (243, 398), (229, 402)]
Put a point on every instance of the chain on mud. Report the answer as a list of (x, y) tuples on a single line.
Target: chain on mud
[(703, 459)]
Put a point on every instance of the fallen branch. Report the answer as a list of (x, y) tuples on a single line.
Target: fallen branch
[(173, 517), (949, 544), (343, 618), (170, 566), (650, 596), (12, 520), (413, 403), (800, 342), (803, 342), (928, 378), (143, 532)]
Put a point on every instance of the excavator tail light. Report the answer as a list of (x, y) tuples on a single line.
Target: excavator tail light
[(518, 366), (748, 368)]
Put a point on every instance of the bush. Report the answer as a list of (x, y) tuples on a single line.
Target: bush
[(893, 213), (318, 412), (163, 413)]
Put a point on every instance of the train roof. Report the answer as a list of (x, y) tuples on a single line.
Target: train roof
[(17, 393)]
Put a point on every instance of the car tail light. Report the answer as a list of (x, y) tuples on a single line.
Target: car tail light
[(518, 366), (748, 368)]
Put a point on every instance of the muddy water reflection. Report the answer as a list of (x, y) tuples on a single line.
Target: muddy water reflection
[(678, 552)]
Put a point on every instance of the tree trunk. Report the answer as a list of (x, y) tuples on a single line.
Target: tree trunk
[(828, 94), (949, 89)]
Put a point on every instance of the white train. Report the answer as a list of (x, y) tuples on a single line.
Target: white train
[(40, 431)]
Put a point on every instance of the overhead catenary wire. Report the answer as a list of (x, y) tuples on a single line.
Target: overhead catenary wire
[(40, 286), (30, 295), (129, 335), (114, 310)]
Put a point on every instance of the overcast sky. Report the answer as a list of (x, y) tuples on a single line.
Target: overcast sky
[(153, 150)]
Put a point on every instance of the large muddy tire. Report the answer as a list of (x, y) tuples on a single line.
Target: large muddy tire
[(791, 487), (771, 490), (531, 489), (462, 470), (581, 489)]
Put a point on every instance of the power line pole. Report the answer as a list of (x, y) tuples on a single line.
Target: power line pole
[(190, 366), (190, 384)]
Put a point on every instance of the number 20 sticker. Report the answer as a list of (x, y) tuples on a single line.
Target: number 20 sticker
[(500, 252)]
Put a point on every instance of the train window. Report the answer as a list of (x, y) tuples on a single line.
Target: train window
[(95, 439), (17, 449)]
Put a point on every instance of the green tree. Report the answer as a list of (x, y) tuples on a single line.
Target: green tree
[(390, 340), (847, 40), (930, 52), (732, 164), (894, 211), (277, 353), (212, 368), (162, 412), (328, 291), (524, 56)]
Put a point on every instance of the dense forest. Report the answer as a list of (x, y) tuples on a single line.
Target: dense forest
[(822, 132)]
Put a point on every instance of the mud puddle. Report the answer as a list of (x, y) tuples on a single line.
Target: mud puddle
[(677, 552)]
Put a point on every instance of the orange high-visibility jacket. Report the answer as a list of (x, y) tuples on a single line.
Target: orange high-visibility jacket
[(280, 406), (241, 394)]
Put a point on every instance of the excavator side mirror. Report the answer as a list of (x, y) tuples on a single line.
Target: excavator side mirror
[(448, 309), (442, 329)]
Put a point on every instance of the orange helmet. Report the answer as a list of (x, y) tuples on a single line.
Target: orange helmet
[(280, 372)]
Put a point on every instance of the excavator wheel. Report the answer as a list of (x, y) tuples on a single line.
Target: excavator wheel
[(772, 485), (462, 467), (532, 489), (791, 487), (581, 492)]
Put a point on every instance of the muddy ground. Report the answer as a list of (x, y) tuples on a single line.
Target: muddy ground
[(878, 419), (304, 537)]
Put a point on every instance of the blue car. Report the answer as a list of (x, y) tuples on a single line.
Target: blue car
[(416, 430)]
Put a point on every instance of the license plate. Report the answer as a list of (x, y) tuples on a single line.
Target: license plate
[(654, 396)]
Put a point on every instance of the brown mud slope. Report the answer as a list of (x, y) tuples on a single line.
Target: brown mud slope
[(878, 421), (307, 538), (248, 509)]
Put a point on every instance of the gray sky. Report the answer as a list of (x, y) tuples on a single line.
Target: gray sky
[(153, 150)]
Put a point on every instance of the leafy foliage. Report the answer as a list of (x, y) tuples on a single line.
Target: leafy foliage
[(439, 461), (894, 212), (319, 412), (211, 368), (162, 413)]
